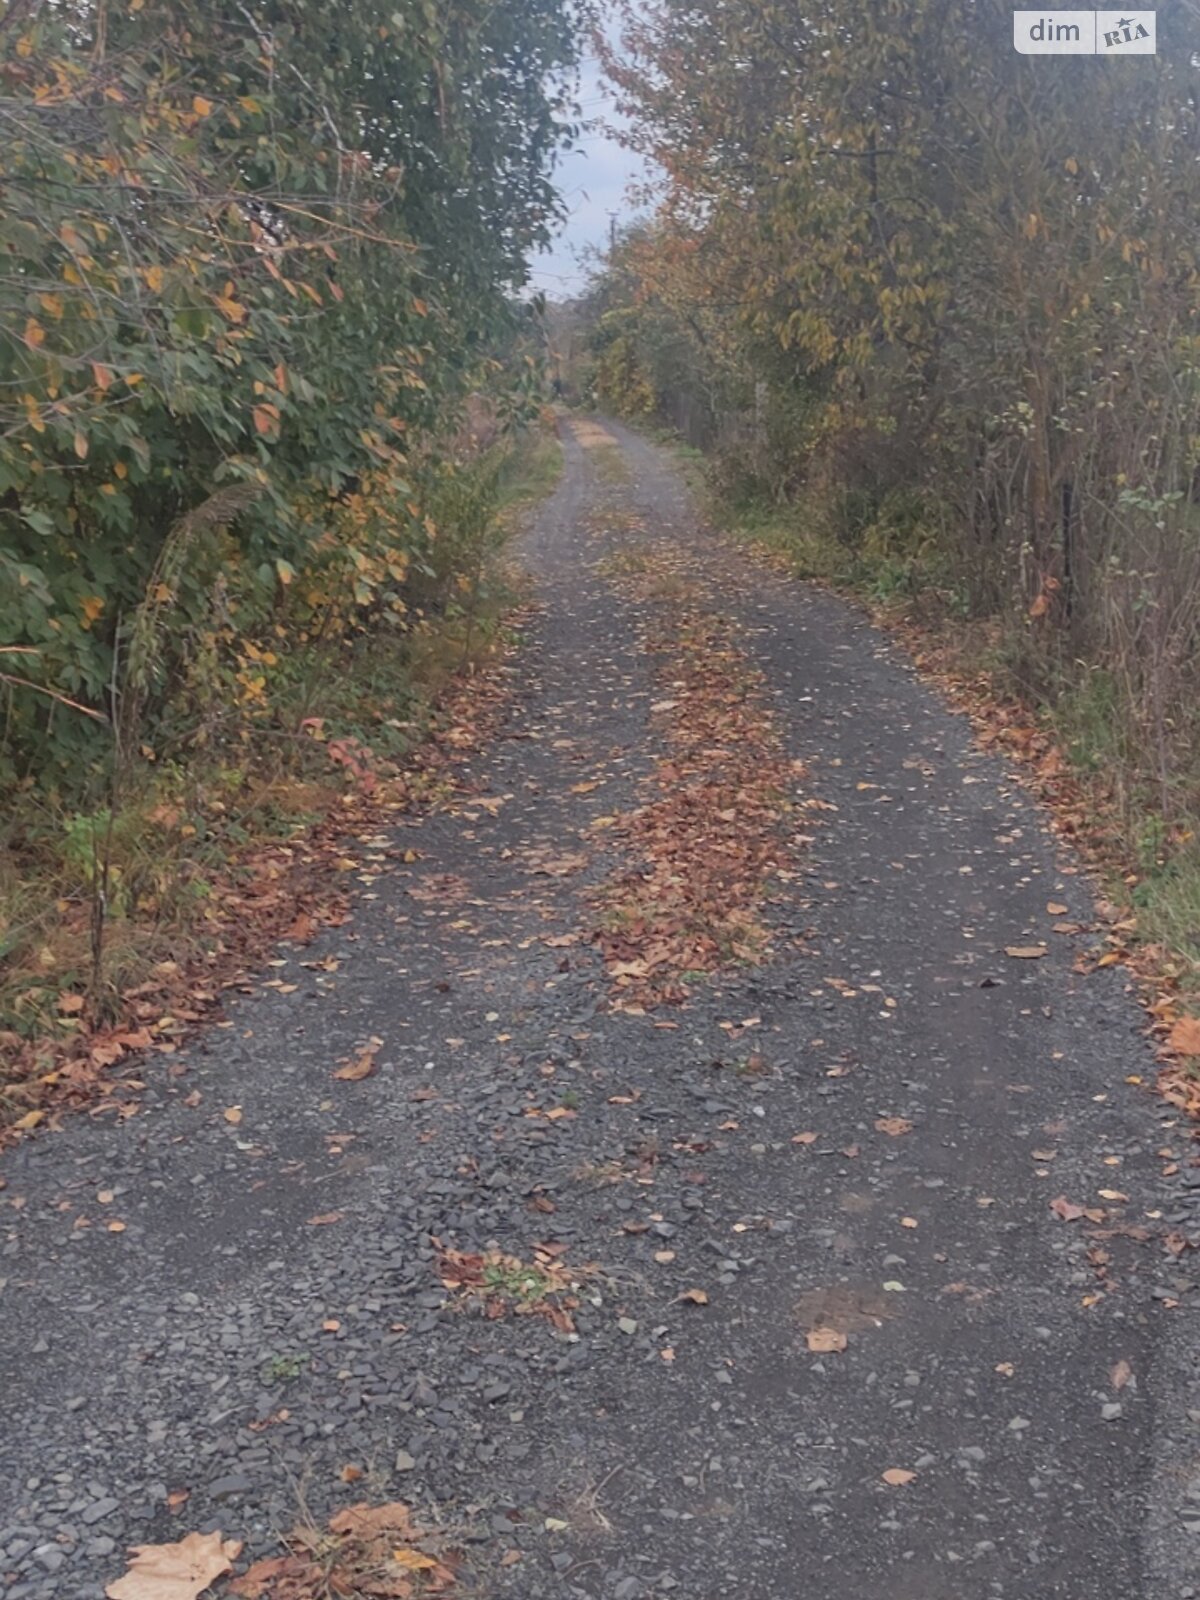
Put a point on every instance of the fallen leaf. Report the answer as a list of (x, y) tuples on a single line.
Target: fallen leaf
[(178, 1571), (1120, 1375), (1056, 908), (1066, 1209), (365, 1521), (908, 1222), (350, 1473), (257, 1580), (1025, 952), (695, 1297), (326, 1216), (1184, 1037), (825, 1341), (893, 1126), (898, 1476), (804, 1138), (413, 1560), (233, 1114), (363, 1066)]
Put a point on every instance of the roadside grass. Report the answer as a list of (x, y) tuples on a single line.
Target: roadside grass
[(209, 856)]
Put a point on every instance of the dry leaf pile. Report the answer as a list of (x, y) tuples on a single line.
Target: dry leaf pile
[(367, 1552), (713, 830)]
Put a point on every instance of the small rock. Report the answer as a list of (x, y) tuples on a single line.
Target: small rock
[(232, 1483), (98, 1510)]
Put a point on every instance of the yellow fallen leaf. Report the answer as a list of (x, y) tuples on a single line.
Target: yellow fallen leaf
[(413, 1560)]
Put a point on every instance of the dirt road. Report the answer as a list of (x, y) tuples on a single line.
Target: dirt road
[(761, 1294)]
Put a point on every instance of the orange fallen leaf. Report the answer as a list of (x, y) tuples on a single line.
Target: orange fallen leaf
[(363, 1066), (350, 1473), (893, 1126), (233, 1114), (898, 1476), (1184, 1037), (178, 1571), (366, 1521), (826, 1341), (1056, 908)]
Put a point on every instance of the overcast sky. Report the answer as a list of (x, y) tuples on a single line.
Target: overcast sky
[(592, 180)]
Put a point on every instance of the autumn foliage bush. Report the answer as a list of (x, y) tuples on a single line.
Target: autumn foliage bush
[(252, 258), (255, 257)]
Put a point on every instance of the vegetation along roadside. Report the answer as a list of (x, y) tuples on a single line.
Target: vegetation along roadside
[(268, 384)]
